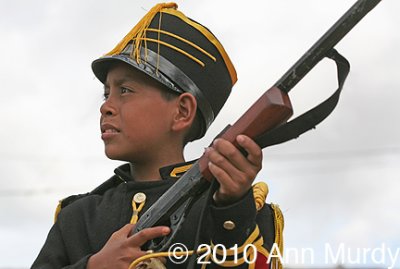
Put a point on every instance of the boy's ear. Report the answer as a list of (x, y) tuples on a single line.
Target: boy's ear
[(185, 112)]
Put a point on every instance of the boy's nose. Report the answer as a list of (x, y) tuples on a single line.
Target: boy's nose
[(107, 109)]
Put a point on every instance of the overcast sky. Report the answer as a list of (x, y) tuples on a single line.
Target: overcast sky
[(338, 184)]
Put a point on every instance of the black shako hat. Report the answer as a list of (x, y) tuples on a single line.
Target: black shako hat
[(181, 54)]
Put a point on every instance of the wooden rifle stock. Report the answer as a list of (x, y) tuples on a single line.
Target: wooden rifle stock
[(272, 109)]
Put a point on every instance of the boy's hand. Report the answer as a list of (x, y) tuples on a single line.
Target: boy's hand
[(122, 249), (234, 172)]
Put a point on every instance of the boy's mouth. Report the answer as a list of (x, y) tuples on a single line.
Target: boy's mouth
[(108, 131)]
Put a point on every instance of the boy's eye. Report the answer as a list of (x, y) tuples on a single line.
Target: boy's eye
[(106, 95), (125, 90)]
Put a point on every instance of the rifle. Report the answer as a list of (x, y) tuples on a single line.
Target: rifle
[(265, 121)]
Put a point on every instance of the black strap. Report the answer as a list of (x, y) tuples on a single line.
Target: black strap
[(314, 116)]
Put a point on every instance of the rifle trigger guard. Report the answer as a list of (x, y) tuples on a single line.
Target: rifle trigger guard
[(176, 220)]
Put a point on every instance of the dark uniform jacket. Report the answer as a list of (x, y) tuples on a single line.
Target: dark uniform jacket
[(87, 221)]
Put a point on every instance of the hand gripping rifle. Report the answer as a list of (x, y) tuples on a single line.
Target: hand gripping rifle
[(265, 121)]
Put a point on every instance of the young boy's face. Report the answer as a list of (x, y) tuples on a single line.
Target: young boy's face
[(135, 118)]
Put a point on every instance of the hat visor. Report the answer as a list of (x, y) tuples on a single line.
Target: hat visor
[(102, 66)]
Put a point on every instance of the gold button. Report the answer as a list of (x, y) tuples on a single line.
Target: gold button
[(139, 197), (229, 225)]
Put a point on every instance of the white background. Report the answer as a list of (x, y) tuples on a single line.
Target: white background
[(336, 184)]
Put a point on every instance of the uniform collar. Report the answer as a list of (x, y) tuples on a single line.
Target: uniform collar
[(173, 171), (123, 174)]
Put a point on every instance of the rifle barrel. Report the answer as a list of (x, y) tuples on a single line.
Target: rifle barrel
[(318, 51)]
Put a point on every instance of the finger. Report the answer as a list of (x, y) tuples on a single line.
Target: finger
[(223, 170), (140, 238), (231, 180), (124, 231), (233, 183), (229, 151), (226, 184), (233, 157), (254, 151), (220, 175), (229, 189), (163, 260)]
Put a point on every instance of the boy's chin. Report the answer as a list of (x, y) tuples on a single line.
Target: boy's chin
[(116, 156)]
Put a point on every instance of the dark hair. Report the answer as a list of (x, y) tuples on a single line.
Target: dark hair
[(167, 94), (195, 130)]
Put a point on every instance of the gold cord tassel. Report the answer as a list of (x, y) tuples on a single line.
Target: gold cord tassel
[(135, 208), (139, 31), (279, 224)]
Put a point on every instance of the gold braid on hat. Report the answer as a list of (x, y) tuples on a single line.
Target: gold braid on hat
[(139, 31)]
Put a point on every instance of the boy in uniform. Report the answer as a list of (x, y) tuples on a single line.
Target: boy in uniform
[(164, 84)]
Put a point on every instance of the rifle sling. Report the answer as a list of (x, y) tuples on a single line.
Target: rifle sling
[(314, 116)]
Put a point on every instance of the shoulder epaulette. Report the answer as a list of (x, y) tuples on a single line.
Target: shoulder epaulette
[(66, 201), (100, 190), (260, 192)]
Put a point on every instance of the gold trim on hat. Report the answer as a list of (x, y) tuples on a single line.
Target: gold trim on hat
[(138, 34), (172, 47), (139, 29), (183, 40), (210, 37)]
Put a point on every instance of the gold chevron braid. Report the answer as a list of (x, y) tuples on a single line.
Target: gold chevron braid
[(183, 40), (181, 169), (172, 47)]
